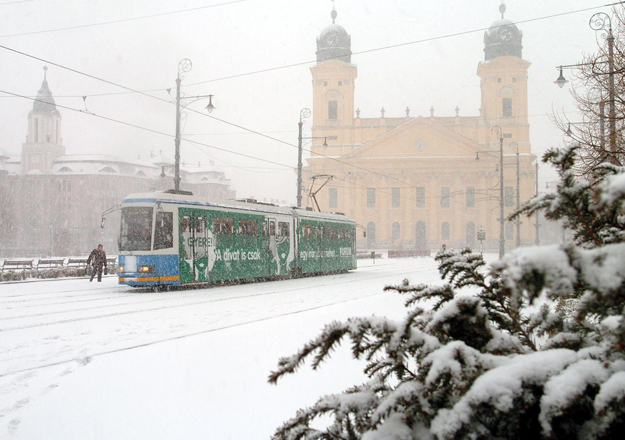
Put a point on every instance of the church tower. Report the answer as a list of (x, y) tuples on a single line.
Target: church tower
[(503, 76), (333, 78), (43, 142)]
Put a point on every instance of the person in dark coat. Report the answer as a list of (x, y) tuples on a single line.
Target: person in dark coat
[(98, 258)]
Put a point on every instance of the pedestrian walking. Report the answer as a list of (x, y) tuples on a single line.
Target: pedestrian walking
[(98, 259)]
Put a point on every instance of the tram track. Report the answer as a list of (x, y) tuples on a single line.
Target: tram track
[(87, 292), (167, 298)]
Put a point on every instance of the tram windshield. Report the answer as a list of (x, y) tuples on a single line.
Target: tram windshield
[(136, 229)]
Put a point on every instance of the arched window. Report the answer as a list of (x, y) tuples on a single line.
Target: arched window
[(470, 235), (65, 170), (140, 173), (420, 235), (445, 231), (509, 230), (370, 235), (109, 170), (395, 231)]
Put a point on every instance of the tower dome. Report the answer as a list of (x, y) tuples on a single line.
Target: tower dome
[(334, 42), (502, 38)]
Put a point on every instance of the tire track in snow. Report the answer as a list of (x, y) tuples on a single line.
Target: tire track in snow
[(168, 298), (87, 359)]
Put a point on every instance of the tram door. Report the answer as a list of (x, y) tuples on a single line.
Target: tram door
[(202, 240), (271, 247), (196, 240)]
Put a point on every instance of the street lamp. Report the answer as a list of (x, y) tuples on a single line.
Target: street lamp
[(184, 66), (601, 22), (518, 194)]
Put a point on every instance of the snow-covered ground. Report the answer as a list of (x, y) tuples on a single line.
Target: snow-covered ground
[(82, 360)]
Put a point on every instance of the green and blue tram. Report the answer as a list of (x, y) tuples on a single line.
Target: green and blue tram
[(177, 239)]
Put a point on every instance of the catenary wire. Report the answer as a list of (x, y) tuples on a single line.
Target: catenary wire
[(123, 20), (360, 52), (188, 109), (424, 40)]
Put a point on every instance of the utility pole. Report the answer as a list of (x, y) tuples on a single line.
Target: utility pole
[(502, 239), (305, 113), (184, 66), (518, 199), (537, 214)]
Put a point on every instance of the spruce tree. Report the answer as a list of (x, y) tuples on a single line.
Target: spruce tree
[(531, 347)]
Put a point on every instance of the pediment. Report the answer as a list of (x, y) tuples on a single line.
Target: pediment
[(418, 137)]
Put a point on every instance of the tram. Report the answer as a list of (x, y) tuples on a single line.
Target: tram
[(174, 239)]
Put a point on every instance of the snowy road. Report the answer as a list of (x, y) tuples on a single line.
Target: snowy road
[(97, 360)]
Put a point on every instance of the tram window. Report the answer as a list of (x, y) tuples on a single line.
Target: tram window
[(223, 225), (164, 232), (136, 229), (272, 227), (319, 231), (248, 226), (283, 229), (307, 231), (332, 232), (200, 225), (185, 223), (344, 233), (264, 228)]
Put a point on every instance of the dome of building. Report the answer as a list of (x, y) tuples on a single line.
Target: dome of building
[(334, 42), (503, 38)]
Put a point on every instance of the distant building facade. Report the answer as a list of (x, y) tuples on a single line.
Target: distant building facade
[(51, 203), (418, 182)]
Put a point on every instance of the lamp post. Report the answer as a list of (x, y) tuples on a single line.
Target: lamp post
[(305, 113), (496, 130), (601, 22), (518, 194), (184, 66)]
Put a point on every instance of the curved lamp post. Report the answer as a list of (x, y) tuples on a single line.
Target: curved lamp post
[(184, 66), (601, 22)]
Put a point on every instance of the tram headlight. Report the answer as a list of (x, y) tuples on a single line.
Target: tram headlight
[(120, 268), (145, 269)]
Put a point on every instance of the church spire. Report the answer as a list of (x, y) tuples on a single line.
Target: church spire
[(502, 9), (45, 102), (333, 14)]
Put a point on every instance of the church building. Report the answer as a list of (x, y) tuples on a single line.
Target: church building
[(418, 182)]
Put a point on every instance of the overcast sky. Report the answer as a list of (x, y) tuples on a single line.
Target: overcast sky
[(227, 39)]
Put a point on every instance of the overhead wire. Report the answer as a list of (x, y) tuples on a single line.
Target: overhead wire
[(424, 40), (130, 90), (129, 124), (123, 20), (188, 109)]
